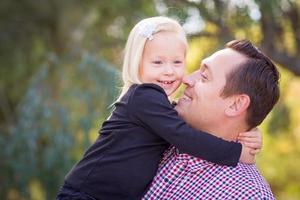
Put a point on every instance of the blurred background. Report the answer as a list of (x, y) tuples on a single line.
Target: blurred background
[(59, 73)]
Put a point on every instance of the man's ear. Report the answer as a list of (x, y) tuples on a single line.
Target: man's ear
[(238, 105)]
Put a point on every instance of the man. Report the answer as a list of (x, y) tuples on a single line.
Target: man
[(232, 92)]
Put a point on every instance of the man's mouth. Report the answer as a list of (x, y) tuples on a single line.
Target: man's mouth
[(186, 97)]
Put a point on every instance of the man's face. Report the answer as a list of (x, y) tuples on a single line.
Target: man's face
[(201, 105)]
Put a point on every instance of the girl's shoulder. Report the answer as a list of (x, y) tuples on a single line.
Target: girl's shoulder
[(147, 87), (147, 93)]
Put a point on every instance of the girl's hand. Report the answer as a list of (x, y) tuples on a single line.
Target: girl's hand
[(246, 156), (252, 140)]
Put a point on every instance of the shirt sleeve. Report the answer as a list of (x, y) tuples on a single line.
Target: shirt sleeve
[(150, 108)]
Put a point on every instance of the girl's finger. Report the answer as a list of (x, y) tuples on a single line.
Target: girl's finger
[(252, 145), (248, 134), (254, 129), (254, 151), (246, 139), (258, 143)]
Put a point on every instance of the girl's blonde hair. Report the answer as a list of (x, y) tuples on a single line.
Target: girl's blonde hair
[(145, 29)]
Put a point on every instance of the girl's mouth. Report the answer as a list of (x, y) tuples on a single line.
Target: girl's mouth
[(166, 82)]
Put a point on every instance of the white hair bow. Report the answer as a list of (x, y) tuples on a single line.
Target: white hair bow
[(147, 30)]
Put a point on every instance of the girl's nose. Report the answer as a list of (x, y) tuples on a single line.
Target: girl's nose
[(169, 69)]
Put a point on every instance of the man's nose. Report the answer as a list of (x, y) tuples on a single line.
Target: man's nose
[(189, 80)]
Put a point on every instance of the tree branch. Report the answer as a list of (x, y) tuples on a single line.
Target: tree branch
[(273, 31), (201, 34), (291, 63), (294, 17)]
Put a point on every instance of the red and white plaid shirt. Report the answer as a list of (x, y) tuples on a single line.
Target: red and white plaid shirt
[(181, 176)]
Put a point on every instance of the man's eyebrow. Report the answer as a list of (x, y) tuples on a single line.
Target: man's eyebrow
[(205, 66)]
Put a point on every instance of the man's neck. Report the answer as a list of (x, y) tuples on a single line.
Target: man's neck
[(228, 131)]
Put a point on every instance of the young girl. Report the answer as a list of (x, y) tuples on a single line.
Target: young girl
[(123, 161)]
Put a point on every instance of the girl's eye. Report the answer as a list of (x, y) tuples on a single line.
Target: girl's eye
[(157, 62), (178, 62)]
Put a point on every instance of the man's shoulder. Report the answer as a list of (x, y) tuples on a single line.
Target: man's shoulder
[(248, 179), (182, 176), (243, 181)]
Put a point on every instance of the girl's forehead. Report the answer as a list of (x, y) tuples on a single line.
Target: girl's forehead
[(169, 39)]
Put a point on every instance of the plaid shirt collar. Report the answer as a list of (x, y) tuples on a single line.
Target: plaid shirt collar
[(193, 163)]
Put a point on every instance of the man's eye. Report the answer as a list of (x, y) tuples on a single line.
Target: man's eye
[(203, 76)]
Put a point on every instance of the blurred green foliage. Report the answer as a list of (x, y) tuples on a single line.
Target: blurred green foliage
[(54, 120), (59, 74)]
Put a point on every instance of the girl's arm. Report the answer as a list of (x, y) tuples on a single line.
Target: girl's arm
[(150, 108)]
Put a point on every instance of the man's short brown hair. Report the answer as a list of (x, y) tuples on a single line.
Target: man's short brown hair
[(257, 77)]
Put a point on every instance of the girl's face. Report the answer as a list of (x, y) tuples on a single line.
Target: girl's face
[(163, 61)]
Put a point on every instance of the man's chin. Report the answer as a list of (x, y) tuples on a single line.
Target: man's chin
[(177, 107), (180, 111), (180, 105)]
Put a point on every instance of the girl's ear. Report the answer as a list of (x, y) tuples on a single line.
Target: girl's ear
[(238, 105)]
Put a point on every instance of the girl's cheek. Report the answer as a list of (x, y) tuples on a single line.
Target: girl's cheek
[(181, 73)]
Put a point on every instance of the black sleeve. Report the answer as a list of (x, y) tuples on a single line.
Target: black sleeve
[(150, 107)]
